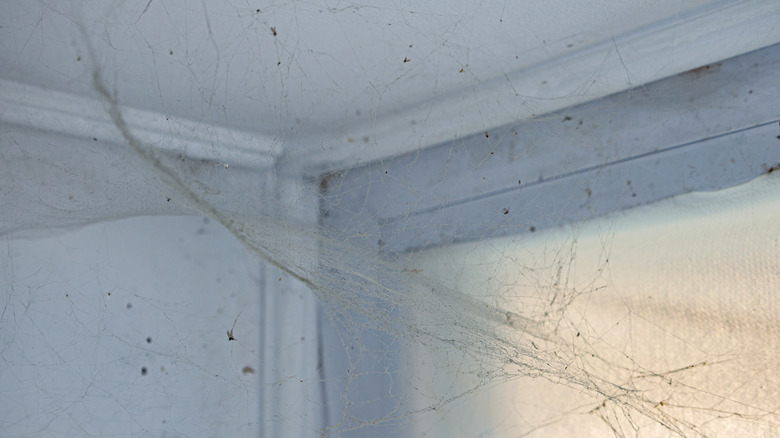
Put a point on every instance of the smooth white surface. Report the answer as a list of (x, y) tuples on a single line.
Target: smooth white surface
[(75, 314), (332, 85), (68, 115), (684, 290)]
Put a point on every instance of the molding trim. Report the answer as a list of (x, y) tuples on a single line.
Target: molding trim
[(37, 108), (703, 36)]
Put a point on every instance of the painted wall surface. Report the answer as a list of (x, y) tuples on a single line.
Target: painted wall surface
[(330, 54), (121, 328), (403, 76)]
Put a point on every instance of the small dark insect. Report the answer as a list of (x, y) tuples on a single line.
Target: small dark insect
[(78, 59), (532, 228), (487, 135), (167, 199), (94, 138), (170, 52), (505, 210), (519, 182), (257, 11), (567, 119), (143, 371), (149, 340), (406, 59), (230, 332), (248, 370), (273, 30), (278, 62)]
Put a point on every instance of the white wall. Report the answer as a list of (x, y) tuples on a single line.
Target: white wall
[(84, 313), (333, 79)]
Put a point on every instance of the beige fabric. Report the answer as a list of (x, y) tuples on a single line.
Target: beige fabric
[(663, 318)]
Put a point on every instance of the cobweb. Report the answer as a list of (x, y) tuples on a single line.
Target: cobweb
[(522, 258)]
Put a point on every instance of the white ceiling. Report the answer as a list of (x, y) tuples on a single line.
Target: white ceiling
[(332, 84)]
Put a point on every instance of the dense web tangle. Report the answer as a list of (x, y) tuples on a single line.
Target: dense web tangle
[(360, 220)]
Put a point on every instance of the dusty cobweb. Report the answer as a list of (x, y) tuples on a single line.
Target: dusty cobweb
[(482, 280)]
